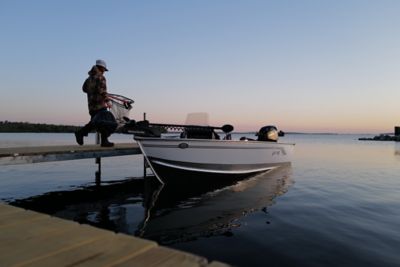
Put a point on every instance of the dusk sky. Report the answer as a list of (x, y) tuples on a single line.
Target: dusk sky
[(307, 66)]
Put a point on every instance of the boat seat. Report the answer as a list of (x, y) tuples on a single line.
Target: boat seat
[(200, 134)]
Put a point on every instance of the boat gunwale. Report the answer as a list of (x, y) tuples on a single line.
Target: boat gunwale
[(140, 138)]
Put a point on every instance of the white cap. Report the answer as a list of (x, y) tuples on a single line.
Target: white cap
[(101, 63)]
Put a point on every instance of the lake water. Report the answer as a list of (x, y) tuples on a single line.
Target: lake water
[(338, 204)]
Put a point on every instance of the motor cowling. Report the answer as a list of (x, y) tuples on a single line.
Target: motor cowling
[(268, 133)]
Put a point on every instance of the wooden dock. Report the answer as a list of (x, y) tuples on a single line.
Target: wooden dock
[(29, 238), (23, 155)]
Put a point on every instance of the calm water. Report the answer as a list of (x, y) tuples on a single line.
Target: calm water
[(338, 204)]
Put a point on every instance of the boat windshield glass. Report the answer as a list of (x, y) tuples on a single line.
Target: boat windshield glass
[(198, 118)]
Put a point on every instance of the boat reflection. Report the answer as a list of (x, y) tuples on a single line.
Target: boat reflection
[(169, 213), (179, 213)]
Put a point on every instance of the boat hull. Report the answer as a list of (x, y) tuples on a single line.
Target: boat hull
[(197, 158)]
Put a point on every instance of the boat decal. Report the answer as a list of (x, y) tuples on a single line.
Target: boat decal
[(183, 145)]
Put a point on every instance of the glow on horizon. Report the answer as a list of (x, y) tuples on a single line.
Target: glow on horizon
[(304, 66)]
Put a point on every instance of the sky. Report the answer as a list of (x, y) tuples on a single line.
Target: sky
[(304, 66)]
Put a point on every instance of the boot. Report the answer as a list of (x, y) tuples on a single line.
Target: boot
[(84, 131), (105, 142), (79, 137)]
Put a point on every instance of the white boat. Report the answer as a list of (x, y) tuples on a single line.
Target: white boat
[(171, 158)]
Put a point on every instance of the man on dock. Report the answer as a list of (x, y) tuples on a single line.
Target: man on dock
[(96, 89)]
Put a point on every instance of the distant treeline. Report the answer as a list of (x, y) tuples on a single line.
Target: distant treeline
[(26, 127)]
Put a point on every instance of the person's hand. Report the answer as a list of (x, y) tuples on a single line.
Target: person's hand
[(108, 103)]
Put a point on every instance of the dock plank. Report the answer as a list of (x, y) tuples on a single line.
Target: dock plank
[(166, 257), (107, 251), (24, 251), (217, 264), (43, 226), (29, 238), (7, 209), (10, 219), (24, 155)]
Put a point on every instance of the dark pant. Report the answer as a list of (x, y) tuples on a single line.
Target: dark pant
[(90, 126)]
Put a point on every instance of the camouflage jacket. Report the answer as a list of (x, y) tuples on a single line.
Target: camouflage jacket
[(96, 89)]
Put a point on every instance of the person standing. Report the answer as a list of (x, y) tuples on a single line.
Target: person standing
[(95, 87)]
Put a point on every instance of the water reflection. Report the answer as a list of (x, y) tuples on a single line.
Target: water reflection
[(107, 206), (169, 213), (211, 212)]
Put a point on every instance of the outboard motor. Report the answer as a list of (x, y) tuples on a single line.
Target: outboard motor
[(268, 133)]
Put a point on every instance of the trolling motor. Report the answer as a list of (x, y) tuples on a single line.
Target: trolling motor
[(147, 129), (120, 107)]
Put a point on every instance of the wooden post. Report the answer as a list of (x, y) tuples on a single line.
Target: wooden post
[(98, 162), (144, 167), (144, 159)]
